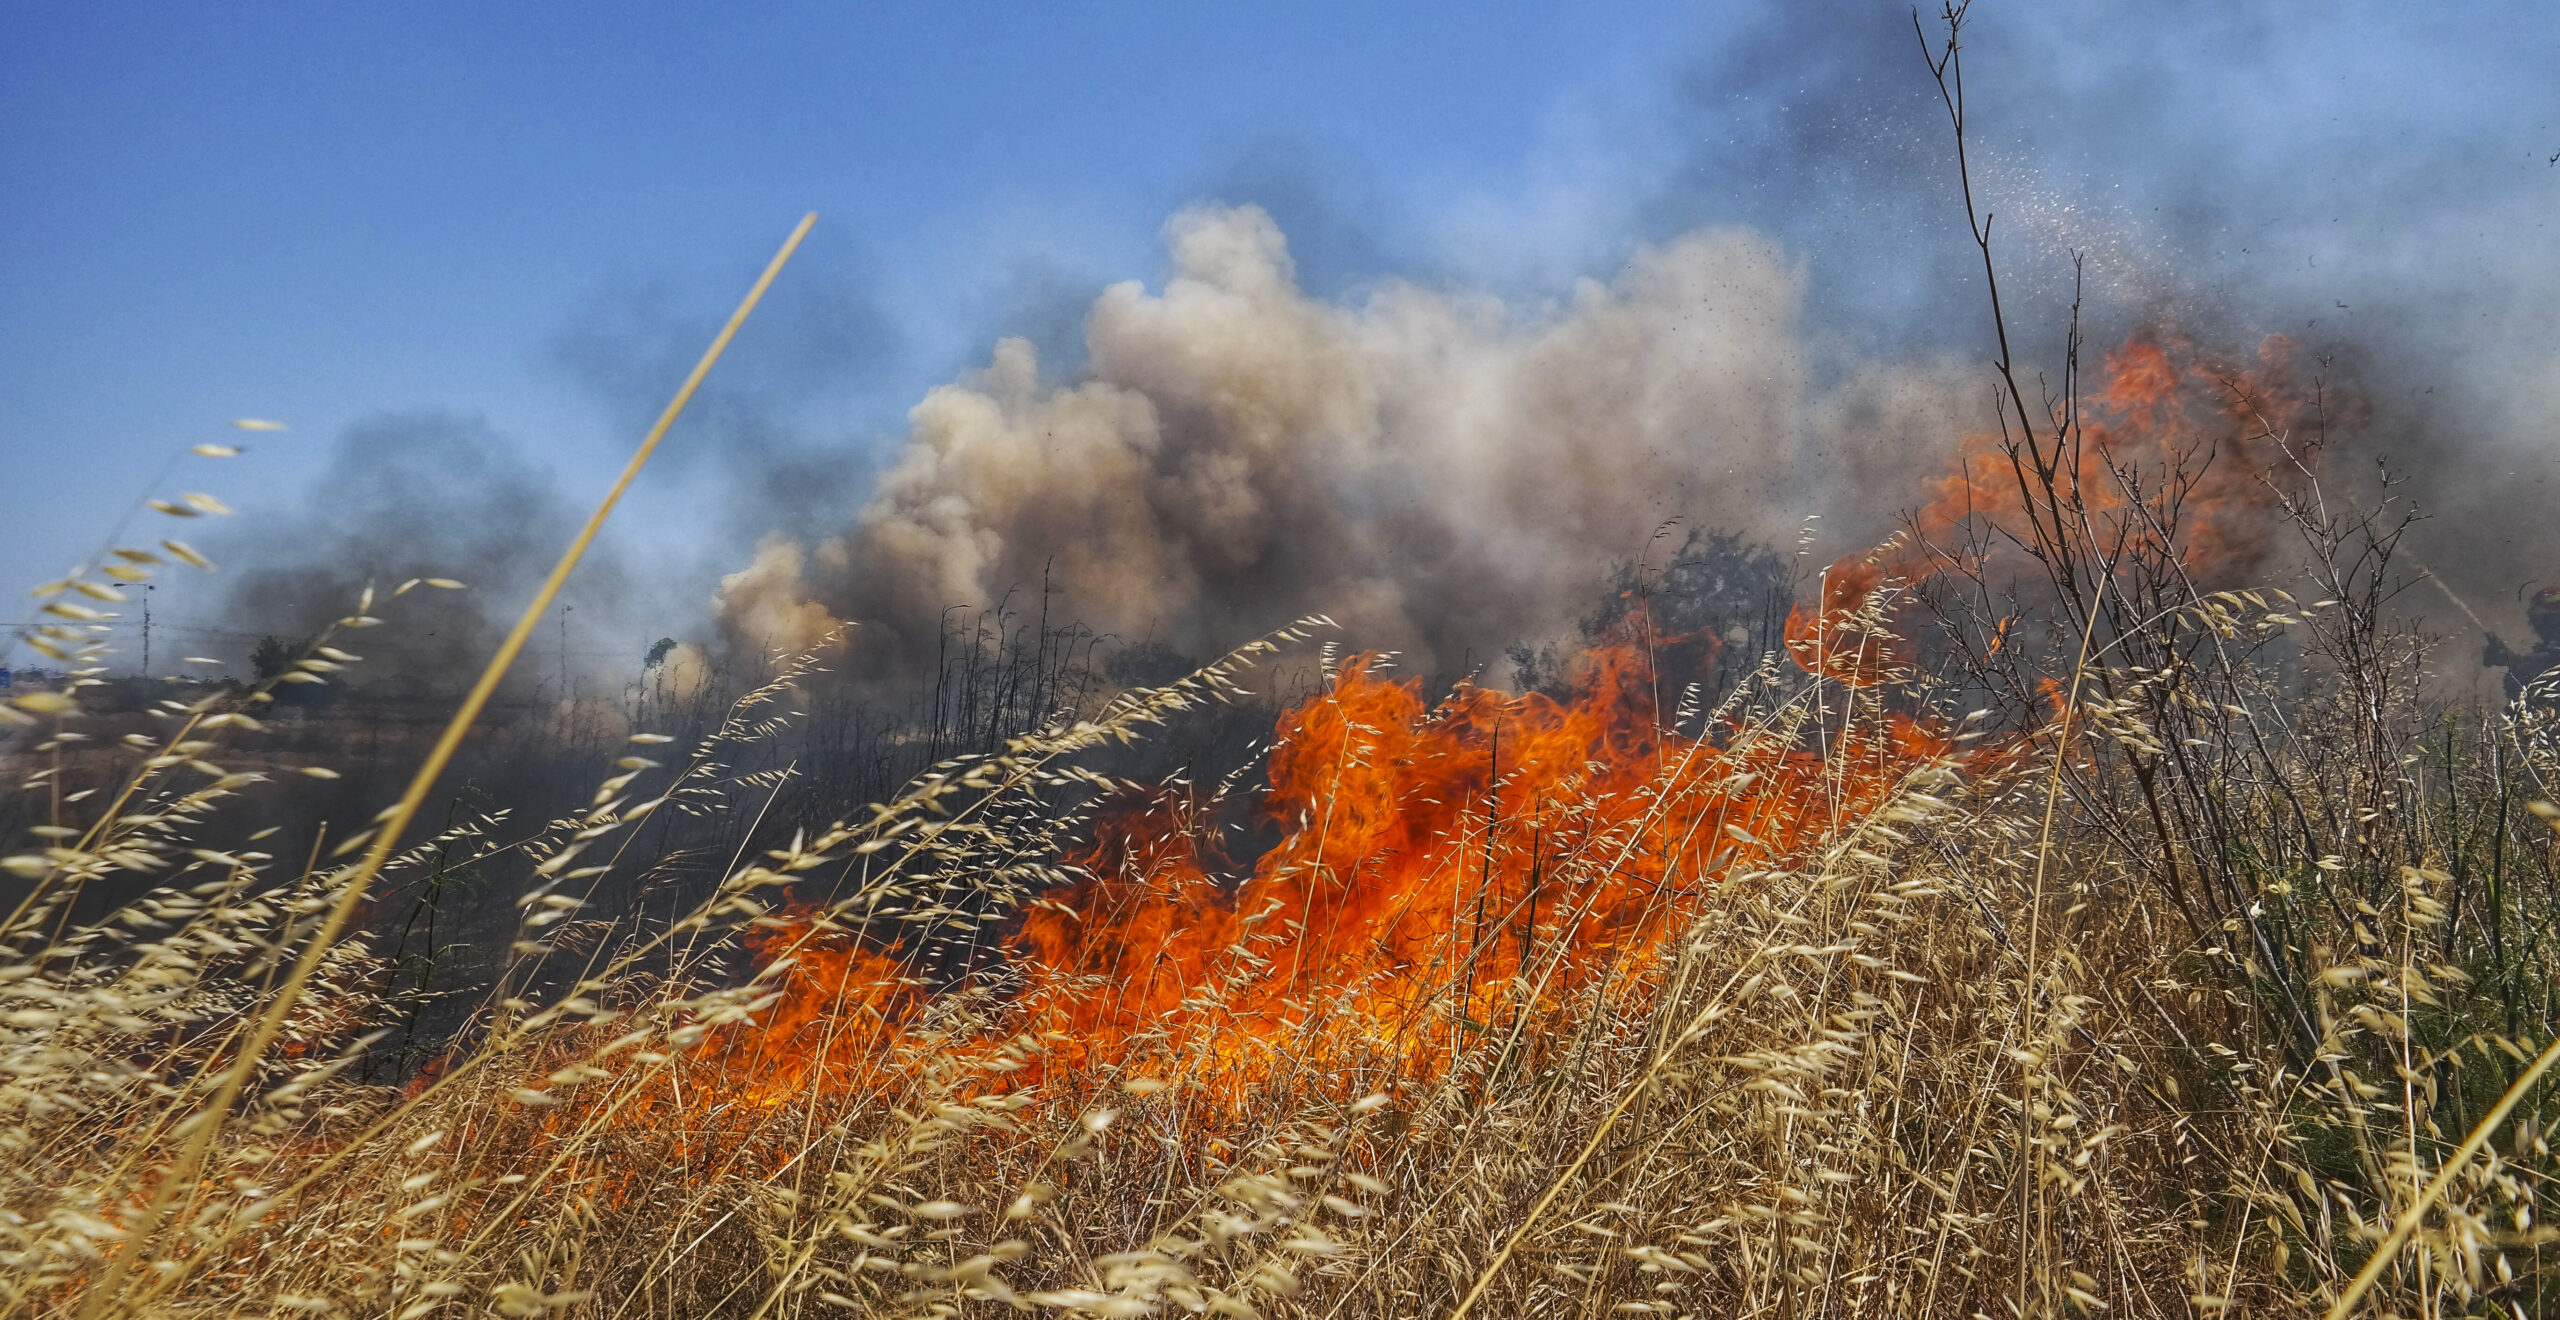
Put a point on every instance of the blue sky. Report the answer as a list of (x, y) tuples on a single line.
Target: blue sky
[(320, 213)]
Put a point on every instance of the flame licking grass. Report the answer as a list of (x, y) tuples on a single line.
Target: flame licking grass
[(2178, 454), (2174, 436), (1443, 875), (1728, 1018)]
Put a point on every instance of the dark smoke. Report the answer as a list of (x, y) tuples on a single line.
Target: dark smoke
[(2373, 181), (767, 424), (1451, 475), (417, 495), (1795, 325)]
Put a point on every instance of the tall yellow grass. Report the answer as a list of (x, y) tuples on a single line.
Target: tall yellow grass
[(1990, 1049), (1948, 1061)]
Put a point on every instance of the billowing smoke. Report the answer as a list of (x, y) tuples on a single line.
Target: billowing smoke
[(1790, 322), (1442, 473), (2373, 181), (1801, 329), (416, 495)]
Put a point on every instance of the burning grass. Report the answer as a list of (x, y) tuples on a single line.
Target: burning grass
[(1534, 1005), (2052, 925)]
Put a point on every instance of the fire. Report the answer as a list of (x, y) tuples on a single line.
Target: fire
[(1444, 875), (1447, 876), (2176, 450), (842, 1013), (2175, 433), (1841, 637)]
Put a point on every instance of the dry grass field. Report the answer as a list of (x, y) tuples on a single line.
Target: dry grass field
[(2089, 908), (2209, 971)]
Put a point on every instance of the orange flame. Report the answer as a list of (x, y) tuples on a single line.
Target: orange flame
[(1443, 874), (1447, 877), (1840, 638), (2174, 438), (1446, 874)]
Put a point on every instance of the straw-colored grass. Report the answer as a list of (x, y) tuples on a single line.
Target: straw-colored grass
[(2197, 978), (1846, 1087)]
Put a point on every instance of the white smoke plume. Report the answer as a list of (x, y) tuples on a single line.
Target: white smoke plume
[(1443, 473)]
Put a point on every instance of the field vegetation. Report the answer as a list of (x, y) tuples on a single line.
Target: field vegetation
[(2083, 904)]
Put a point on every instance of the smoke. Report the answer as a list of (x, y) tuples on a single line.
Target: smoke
[(2373, 181), (1443, 473), (817, 343), (1796, 324), (418, 495)]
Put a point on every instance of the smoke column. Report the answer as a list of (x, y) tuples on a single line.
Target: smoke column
[(2374, 182), (1443, 473)]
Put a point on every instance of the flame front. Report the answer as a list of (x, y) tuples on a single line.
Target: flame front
[(2176, 452), (1445, 876), (1454, 876)]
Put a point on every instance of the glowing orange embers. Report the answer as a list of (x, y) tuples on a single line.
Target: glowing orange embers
[(1443, 874)]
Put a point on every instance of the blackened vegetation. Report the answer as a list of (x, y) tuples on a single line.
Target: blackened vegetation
[(1708, 615)]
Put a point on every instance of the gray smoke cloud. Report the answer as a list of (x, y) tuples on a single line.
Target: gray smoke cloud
[(2374, 181), (417, 495), (1798, 327), (764, 423), (1442, 472)]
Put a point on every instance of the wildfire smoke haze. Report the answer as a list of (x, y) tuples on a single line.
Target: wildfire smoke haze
[(1445, 475), (1462, 866), (1812, 775)]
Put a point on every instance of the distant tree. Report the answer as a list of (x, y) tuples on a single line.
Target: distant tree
[(1705, 616), (273, 656)]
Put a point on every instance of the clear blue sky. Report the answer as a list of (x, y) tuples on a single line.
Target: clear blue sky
[(320, 212)]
